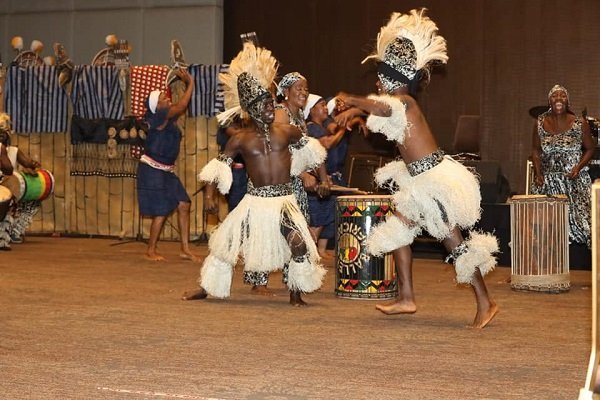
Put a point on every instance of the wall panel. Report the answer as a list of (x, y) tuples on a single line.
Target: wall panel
[(503, 58)]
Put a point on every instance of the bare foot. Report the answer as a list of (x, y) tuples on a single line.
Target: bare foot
[(195, 295), (189, 256), (154, 257), (484, 317), (296, 299), (262, 290), (398, 307)]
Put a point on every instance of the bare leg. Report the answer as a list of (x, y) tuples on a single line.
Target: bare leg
[(296, 299), (321, 243), (322, 247), (405, 303), (298, 249), (315, 232), (155, 229), (486, 307), (183, 218)]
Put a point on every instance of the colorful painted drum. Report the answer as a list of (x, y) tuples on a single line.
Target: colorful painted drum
[(539, 230), (36, 187), (358, 274)]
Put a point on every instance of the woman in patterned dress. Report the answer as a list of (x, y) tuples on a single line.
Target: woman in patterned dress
[(562, 148)]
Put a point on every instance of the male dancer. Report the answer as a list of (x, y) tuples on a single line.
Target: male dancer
[(267, 227), (430, 191)]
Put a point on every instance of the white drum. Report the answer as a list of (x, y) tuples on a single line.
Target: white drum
[(539, 230)]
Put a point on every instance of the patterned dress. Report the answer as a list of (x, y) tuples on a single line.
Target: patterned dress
[(560, 153), (299, 192), (160, 191)]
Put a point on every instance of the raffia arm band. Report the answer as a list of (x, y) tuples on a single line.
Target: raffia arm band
[(393, 127), (306, 155), (218, 171)]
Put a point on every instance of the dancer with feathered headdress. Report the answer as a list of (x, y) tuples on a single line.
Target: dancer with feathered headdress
[(267, 229), (431, 191)]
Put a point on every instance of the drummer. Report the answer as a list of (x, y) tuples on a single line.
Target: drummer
[(13, 227), (333, 138)]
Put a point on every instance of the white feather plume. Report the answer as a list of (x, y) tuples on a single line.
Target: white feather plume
[(256, 61), (420, 30)]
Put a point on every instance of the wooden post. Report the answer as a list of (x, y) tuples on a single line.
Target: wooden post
[(592, 387), (2, 81)]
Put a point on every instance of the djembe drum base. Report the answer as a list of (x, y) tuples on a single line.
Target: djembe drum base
[(541, 283)]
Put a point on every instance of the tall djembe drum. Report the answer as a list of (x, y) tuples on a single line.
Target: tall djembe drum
[(539, 230), (359, 275)]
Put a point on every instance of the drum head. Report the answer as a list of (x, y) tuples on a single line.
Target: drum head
[(5, 194), (15, 184)]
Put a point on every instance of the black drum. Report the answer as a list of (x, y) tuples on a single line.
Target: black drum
[(359, 275), (5, 199)]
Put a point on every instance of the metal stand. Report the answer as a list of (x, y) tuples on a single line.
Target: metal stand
[(138, 238), (203, 238)]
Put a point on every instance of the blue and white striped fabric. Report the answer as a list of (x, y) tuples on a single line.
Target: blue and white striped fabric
[(96, 92), (35, 100), (207, 99)]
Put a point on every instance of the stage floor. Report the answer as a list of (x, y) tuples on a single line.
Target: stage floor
[(81, 319)]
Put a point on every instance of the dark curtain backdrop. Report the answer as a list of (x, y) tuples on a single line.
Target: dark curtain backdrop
[(505, 55)]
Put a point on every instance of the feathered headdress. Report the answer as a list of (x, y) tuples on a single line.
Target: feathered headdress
[(407, 46), (250, 76)]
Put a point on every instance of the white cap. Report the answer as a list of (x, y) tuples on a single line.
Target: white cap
[(310, 103), (153, 100), (330, 106)]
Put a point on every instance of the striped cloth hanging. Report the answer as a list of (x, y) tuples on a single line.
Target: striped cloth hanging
[(96, 92), (207, 99), (35, 100)]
